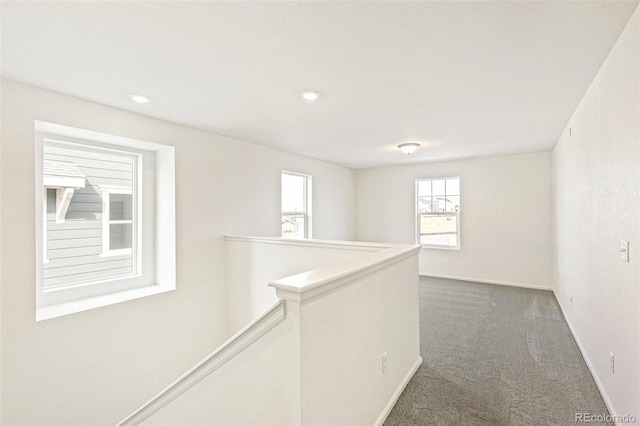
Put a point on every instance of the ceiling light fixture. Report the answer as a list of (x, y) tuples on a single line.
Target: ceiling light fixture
[(408, 148), (139, 98), (310, 95)]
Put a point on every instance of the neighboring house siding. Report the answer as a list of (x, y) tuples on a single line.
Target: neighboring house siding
[(74, 247)]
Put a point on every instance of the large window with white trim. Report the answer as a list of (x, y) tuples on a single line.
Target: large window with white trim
[(104, 237), (296, 205), (438, 212), (93, 235)]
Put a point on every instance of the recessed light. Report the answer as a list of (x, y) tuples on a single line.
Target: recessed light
[(310, 95), (140, 98), (408, 148)]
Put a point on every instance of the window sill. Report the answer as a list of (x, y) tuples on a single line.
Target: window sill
[(66, 308), (427, 246), (75, 285)]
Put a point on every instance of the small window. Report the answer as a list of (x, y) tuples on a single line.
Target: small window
[(296, 205), (118, 221), (95, 190), (438, 212)]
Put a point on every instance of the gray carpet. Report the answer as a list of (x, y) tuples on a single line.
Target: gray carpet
[(494, 355)]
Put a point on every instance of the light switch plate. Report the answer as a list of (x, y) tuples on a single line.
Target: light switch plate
[(624, 250)]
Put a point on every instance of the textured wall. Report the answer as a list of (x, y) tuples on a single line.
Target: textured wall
[(343, 337), (505, 214), (597, 203)]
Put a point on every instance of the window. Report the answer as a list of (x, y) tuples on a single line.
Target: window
[(296, 205), (94, 189), (117, 221), (105, 236), (438, 212)]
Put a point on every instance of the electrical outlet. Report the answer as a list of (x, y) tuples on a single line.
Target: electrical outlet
[(611, 362), (571, 300), (384, 363)]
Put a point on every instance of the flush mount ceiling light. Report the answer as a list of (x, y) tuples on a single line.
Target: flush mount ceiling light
[(140, 98), (408, 148), (310, 95)]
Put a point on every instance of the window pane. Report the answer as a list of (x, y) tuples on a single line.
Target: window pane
[(120, 207), (293, 225), (293, 193), (438, 230), (438, 187), (453, 204), (438, 213), (424, 187), (77, 238), (51, 200), (120, 236), (439, 204), (453, 186), (424, 204)]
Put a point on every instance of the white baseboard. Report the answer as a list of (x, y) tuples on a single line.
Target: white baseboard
[(601, 388), (394, 398), (478, 280)]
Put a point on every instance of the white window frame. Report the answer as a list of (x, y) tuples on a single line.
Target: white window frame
[(106, 220), (64, 194), (156, 261), (417, 215), (306, 202), (45, 212)]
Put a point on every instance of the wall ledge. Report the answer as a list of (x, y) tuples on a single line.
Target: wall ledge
[(332, 244), (309, 285)]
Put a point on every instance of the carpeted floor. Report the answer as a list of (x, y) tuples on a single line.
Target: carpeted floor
[(494, 355)]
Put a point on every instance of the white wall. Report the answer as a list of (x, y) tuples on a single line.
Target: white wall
[(322, 365), (506, 220), (343, 336), (252, 263), (96, 367), (596, 191), (258, 386)]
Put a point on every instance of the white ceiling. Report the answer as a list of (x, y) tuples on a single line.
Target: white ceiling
[(464, 79)]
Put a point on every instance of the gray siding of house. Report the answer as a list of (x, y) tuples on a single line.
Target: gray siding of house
[(74, 247)]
